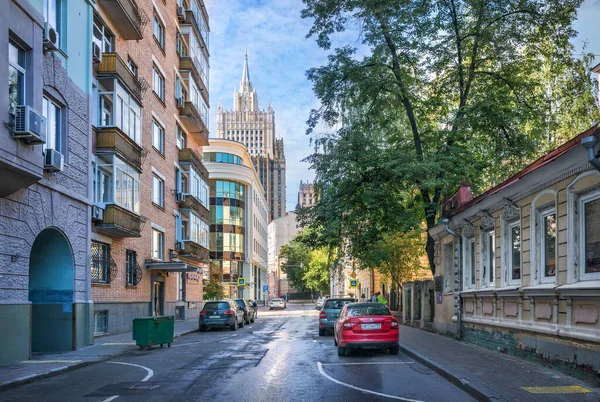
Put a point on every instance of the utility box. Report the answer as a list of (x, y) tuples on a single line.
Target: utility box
[(150, 331)]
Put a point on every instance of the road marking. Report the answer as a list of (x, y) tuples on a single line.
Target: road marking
[(367, 391), (565, 389), (148, 376), (49, 361), (360, 364), (118, 343)]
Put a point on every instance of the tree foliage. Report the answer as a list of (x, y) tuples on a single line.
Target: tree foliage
[(212, 290), (434, 93), (306, 268)]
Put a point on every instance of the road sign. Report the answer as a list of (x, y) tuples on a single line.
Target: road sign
[(353, 283), (353, 275), (265, 288), (241, 281)]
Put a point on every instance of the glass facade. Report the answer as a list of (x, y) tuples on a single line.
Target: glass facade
[(222, 157), (227, 210)]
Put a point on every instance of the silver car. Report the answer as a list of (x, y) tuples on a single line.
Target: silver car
[(319, 304), (277, 303), (330, 313)]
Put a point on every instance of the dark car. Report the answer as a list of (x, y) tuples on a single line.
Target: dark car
[(221, 314), (330, 313), (249, 312)]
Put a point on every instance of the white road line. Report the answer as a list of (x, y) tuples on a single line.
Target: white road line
[(359, 364), (324, 374), (111, 398), (148, 376)]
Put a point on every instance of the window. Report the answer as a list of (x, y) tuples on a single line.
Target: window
[(127, 186), (158, 187), (181, 139), (158, 30), (132, 66), (181, 286), (158, 84), (132, 271), (101, 262), (194, 229), (53, 15), (469, 262), (158, 137), (448, 251), (115, 106), (100, 322), (102, 36), (590, 236), (514, 257), (548, 245), (157, 244), (52, 112), (16, 76), (490, 261)]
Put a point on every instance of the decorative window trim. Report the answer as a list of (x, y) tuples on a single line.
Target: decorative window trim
[(536, 237), (484, 281), (583, 199), (574, 258), (468, 238), (510, 217)]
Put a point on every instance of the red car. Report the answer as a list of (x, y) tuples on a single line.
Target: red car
[(366, 326)]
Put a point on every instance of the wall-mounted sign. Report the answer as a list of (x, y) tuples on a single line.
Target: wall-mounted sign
[(353, 283), (241, 281), (192, 305), (193, 276)]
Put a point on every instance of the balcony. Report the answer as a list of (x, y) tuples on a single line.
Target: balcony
[(186, 63), (119, 222), (113, 66), (111, 140), (193, 251), (193, 123), (187, 155), (191, 202), (126, 16), (190, 19)]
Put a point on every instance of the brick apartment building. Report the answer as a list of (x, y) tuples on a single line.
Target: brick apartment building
[(149, 243)]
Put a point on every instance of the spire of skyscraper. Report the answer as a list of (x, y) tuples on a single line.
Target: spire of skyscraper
[(245, 72)]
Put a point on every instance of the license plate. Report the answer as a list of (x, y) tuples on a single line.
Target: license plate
[(370, 326), (215, 316)]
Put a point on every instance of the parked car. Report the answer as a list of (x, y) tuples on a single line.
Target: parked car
[(277, 303), (249, 312), (366, 326), (319, 303), (330, 313), (221, 314)]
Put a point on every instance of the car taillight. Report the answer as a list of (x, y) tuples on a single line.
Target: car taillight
[(203, 313), (394, 324), (347, 325), (228, 312), (322, 315)]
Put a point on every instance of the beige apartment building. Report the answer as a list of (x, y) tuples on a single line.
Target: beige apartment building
[(255, 128), (150, 234)]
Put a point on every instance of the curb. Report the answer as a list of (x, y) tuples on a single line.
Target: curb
[(61, 370), (460, 383)]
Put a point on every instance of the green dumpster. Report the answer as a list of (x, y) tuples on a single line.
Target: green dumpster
[(149, 331)]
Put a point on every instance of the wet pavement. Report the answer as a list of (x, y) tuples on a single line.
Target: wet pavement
[(280, 357)]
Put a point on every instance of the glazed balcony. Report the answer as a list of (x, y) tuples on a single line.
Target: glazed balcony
[(126, 16), (188, 156), (193, 123), (190, 19), (111, 140), (193, 251), (113, 66), (187, 64), (191, 202), (119, 222)]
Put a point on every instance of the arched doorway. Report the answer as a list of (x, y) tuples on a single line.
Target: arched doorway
[(51, 271)]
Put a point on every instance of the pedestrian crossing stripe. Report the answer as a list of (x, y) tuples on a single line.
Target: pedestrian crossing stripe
[(565, 389)]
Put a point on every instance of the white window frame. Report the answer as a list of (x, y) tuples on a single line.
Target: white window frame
[(509, 252), (109, 168), (584, 199), (158, 29), (158, 83), (484, 252), (158, 137), (158, 250), (542, 234), (181, 138), (158, 191), (469, 261), (123, 111), (53, 114), (20, 67)]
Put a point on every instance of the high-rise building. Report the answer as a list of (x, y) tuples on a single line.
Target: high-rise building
[(281, 231), (45, 177), (150, 234), (238, 220), (306, 195), (255, 128)]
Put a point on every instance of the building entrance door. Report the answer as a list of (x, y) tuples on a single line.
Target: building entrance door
[(158, 303)]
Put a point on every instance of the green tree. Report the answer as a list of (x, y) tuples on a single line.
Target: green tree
[(436, 92), (294, 256), (317, 274), (212, 290)]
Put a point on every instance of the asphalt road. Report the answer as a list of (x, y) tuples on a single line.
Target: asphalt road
[(278, 358)]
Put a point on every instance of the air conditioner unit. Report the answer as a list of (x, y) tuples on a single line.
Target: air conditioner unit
[(29, 125), (50, 37), (54, 161), (179, 196), (181, 14), (179, 245), (97, 213), (96, 53)]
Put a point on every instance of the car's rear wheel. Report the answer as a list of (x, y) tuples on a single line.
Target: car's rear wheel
[(234, 326), (341, 351), (242, 323), (334, 340), (394, 350), (202, 328), (321, 332)]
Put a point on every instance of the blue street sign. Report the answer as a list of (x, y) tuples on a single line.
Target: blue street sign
[(265, 288), (353, 283)]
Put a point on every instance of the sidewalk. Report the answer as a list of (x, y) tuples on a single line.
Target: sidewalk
[(48, 365), (489, 375)]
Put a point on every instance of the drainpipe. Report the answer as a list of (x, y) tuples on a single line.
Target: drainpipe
[(590, 144), (446, 222)]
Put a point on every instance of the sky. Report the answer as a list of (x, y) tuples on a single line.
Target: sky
[(279, 54)]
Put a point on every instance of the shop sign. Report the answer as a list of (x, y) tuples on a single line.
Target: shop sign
[(193, 277)]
